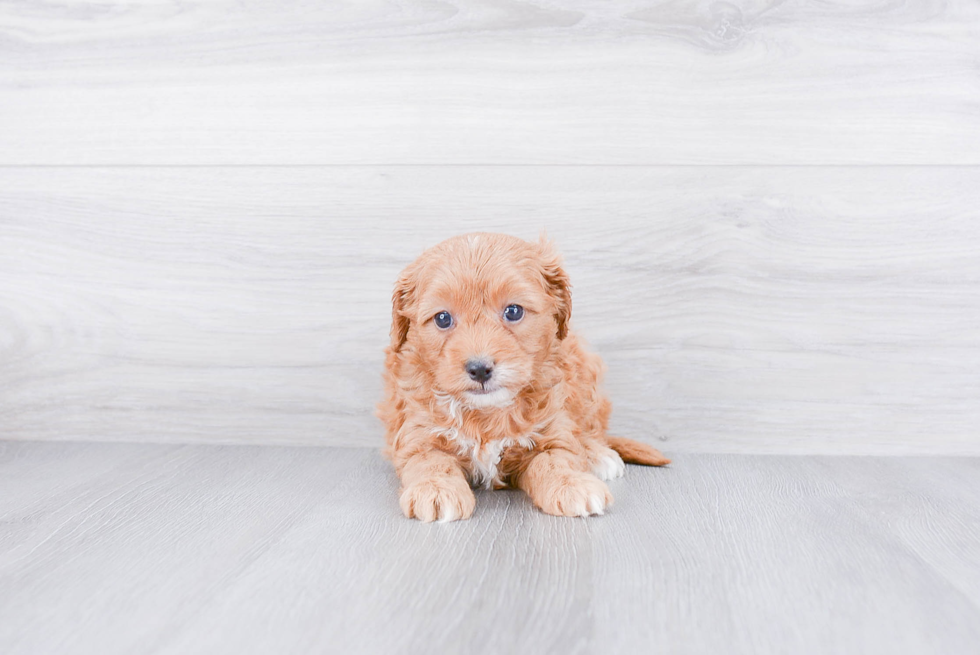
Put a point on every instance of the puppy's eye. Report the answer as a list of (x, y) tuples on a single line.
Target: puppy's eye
[(443, 320), (514, 313)]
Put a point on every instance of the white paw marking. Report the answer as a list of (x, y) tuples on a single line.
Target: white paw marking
[(609, 467), (597, 505), (587, 506), (447, 514)]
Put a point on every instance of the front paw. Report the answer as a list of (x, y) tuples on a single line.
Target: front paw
[(575, 494), (438, 499), (607, 464)]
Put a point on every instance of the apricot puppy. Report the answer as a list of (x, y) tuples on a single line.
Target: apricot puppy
[(487, 386)]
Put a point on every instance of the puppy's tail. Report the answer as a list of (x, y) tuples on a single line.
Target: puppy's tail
[(635, 452)]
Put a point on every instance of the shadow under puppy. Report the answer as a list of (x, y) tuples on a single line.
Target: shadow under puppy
[(486, 384)]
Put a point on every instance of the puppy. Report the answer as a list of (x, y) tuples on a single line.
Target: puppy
[(487, 386)]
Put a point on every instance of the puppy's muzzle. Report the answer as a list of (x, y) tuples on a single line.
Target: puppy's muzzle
[(479, 369)]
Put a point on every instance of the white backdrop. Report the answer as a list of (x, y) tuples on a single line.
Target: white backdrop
[(769, 211)]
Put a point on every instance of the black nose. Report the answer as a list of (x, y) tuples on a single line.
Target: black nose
[(479, 369)]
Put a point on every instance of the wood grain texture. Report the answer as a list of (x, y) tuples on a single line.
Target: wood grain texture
[(121, 548), (801, 310), (490, 82)]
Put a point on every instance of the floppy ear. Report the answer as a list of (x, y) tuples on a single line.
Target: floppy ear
[(559, 287), (401, 299)]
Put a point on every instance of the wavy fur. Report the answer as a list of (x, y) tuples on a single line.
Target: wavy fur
[(539, 423)]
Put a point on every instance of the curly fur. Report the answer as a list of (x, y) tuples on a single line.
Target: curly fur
[(540, 425)]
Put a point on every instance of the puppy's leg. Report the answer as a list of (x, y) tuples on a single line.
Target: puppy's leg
[(434, 487), (557, 482)]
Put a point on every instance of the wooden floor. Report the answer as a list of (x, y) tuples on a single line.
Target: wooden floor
[(125, 548)]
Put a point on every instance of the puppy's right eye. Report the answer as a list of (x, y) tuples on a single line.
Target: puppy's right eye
[(443, 320)]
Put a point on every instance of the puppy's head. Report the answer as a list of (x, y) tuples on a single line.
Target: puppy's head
[(482, 312)]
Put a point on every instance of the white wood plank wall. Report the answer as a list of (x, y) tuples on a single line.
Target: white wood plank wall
[(490, 81), (770, 210)]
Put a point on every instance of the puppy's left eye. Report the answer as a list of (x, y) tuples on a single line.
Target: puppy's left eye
[(513, 313), (443, 320)]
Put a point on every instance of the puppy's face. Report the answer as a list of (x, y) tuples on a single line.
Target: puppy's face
[(481, 312)]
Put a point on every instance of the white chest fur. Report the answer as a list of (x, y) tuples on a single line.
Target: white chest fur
[(484, 457)]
